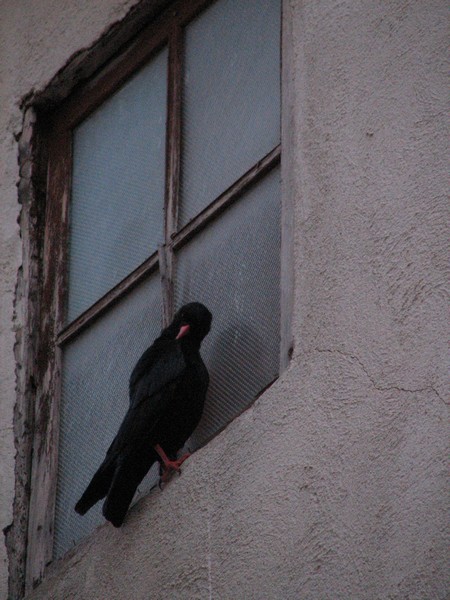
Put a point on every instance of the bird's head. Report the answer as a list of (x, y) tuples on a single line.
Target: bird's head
[(192, 321)]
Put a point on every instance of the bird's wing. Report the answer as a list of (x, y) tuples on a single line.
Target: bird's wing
[(151, 394), (159, 365)]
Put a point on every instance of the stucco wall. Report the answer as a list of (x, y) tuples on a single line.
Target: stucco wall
[(332, 484)]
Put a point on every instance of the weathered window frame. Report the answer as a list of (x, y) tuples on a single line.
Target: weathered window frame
[(55, 151)]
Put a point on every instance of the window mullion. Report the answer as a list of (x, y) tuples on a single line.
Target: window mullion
[(173, 168)]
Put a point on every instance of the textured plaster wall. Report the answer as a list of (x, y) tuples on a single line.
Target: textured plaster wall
[(332, 486)]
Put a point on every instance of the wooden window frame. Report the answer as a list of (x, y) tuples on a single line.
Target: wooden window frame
[(166, 30)]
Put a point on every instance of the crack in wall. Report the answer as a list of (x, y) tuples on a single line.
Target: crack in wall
[(378, 386)]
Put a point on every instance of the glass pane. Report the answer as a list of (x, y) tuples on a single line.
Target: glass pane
[(116, 218), (97, 368), (231, 110), (233, 267)]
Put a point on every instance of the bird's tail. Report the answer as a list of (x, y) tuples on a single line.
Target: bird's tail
[(98, 487), (129, 473)]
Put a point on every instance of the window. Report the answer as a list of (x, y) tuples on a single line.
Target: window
[(163, 188)]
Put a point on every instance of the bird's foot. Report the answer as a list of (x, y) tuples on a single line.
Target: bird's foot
[(172, 466), (169, 467)]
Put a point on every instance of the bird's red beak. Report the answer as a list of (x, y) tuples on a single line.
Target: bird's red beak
[(184, 330)]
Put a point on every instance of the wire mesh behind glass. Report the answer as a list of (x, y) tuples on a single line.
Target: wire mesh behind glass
[(96, 370), (233, 267), (231, 97), (231, 117), (116, 212)]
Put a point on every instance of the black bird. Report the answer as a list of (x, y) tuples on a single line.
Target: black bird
[(167, 393)]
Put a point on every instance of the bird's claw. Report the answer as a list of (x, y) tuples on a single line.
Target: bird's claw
[(171, 466)]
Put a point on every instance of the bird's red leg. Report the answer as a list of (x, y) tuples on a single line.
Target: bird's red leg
[(169, 466)]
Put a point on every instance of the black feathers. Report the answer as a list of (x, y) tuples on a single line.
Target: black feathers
[(167, 392)]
